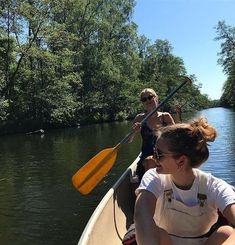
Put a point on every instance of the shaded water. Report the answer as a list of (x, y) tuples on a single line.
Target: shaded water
[(39, 205)]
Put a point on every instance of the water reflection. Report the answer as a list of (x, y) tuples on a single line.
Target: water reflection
[(38, 204)]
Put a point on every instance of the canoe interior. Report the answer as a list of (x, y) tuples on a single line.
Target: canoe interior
[(113, 216)]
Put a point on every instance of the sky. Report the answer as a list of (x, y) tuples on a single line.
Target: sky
[(189, 26)]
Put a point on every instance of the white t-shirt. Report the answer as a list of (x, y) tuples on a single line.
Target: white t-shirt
[(219, 193)]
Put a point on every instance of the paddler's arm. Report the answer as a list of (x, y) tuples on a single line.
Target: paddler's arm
[(136, 126), (146, 230), (168, 119), (229, 214)]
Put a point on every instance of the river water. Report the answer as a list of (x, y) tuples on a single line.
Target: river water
[(39, 205)]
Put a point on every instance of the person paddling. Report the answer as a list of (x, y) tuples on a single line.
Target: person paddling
[(149, 99)]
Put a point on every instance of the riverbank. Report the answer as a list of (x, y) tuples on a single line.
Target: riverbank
[(27, 126)]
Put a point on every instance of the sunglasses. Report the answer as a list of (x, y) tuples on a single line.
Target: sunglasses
[(144, 99), (158, 154)]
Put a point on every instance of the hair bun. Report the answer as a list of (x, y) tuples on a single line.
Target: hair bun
[(204, 131)]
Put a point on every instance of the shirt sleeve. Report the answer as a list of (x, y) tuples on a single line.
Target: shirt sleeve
[(221, 193), (151, 182)]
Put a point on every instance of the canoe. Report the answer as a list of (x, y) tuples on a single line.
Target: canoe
[(114, 214)]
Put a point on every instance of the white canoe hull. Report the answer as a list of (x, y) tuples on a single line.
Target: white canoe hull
[(114, 214)]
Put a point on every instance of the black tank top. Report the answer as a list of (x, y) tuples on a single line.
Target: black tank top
[(148, 139)]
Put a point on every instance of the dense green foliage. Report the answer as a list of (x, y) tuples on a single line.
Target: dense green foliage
[(226, 33), (65, 62)]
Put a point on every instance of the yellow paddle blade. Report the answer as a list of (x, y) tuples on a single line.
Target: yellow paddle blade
[(88, 176)]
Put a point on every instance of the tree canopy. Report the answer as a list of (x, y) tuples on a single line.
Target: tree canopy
[(226, 34), (69, 62)]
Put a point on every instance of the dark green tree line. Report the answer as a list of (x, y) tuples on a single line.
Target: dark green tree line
[(65, 62)]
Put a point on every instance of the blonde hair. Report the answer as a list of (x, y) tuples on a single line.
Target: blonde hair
[(189, 139), (149, 90)]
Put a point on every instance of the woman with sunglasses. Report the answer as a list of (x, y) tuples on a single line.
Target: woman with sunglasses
[(149, 99), (177, 204)]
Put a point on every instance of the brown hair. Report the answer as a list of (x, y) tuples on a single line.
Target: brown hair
[(189, 139)]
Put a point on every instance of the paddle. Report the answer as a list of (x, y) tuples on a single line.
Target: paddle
[(88, 176)]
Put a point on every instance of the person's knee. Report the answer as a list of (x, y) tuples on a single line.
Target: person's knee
[(225, 231), (220, 235), (149, 162)]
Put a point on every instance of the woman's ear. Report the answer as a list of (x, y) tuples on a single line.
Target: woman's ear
[(182, 161)]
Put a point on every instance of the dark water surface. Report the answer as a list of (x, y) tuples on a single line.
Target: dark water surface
[(39, 205)]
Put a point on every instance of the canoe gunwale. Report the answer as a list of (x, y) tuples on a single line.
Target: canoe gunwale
[(129, 172)]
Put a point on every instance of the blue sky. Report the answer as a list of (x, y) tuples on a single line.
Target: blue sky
[(189, 26)]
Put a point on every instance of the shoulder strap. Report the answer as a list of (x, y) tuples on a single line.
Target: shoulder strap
[(168, 192), (202, 178)]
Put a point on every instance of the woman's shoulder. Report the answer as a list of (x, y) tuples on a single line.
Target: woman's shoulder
[(213, 183), (153, 182), (151, 175)]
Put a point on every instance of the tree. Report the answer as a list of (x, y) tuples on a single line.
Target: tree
[(64, 62), (226, 33)]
